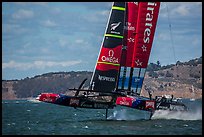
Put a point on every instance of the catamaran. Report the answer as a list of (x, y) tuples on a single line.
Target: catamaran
[(121, 64)]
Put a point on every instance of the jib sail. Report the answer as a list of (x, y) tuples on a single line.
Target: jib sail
[(106, 71)]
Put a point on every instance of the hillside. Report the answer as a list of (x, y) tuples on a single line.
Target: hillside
[(172, 79), (51, 82)]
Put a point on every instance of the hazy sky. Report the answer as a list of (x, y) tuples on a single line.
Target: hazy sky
[(41, 37)]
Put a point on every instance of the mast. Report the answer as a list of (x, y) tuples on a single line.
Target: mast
[(107, 67)]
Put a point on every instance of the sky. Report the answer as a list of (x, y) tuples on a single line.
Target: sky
[(43, 37)]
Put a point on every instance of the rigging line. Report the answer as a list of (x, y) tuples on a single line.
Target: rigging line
[(130, 78), (124, 77), (171, 36), (139, 78), (172, 42)]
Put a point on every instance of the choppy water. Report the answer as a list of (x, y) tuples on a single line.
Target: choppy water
[(25, 117)]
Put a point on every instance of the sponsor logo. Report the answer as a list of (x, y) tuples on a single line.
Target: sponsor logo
[(83, 104), (149, 19), (74, 102), (104, 78), (47, 99), (114, 26), (110, 58), (163, 107), (178, 108), (48, 95), (137, 80), (125, 102), (99, 105), (129, 26), (111, 53), (148, 27), (149, 104), (136, 3)]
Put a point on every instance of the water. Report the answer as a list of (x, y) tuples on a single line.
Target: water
[(26, 117)]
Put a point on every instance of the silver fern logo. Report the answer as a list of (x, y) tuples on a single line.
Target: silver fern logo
[(115, 25)]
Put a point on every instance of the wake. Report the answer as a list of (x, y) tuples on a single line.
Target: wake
[(194, 113), (124, 114), (118, 115), (180, 115), (33, 101), (159, 114)]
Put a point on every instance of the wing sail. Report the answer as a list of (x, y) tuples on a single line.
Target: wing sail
[(128, 44), (134, 62), (108, 63)]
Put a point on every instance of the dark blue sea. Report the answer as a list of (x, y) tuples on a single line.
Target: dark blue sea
[(28, 117)]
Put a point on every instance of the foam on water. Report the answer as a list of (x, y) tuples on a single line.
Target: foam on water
[(194, 112), (124, 114), (118, 115), (34, 101), (181, 115)]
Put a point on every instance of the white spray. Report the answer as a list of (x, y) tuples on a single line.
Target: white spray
[(187, 115)]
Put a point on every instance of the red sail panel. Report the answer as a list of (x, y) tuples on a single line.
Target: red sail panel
[(130, 31), (146, 25), (131, 27), (109, 59)]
